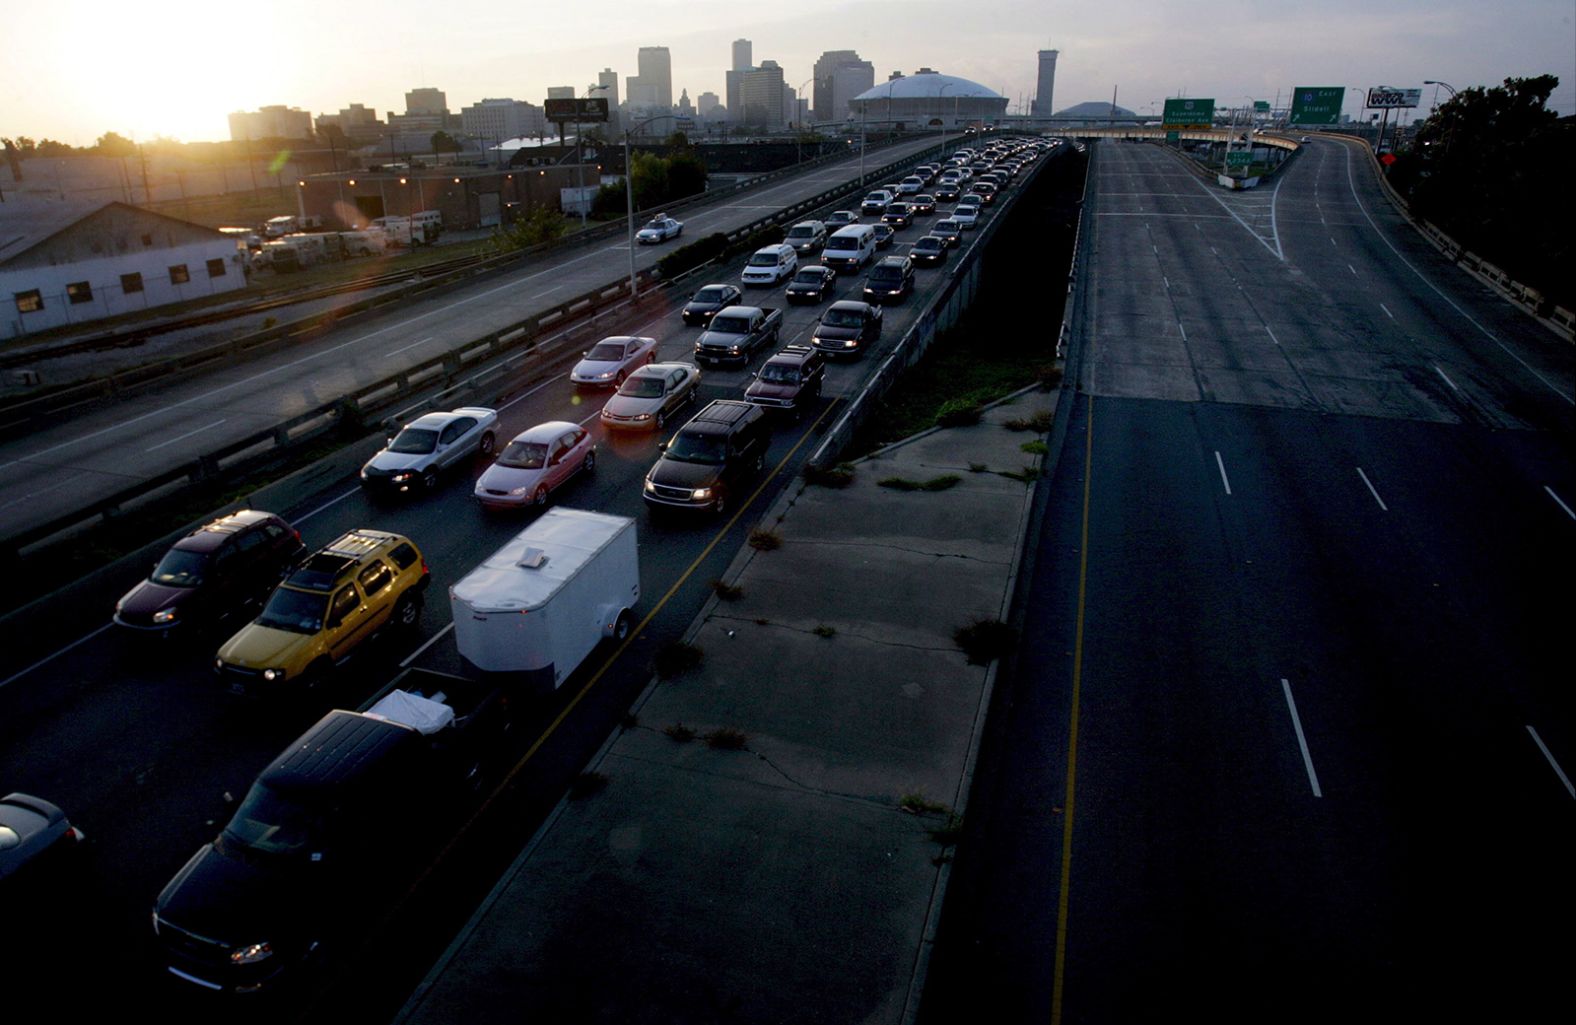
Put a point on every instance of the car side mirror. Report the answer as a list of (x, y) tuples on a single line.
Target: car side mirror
[(662, 446)]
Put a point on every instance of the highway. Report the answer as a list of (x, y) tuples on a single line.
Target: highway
[(56, 470), (146, 752), (1288, 739)]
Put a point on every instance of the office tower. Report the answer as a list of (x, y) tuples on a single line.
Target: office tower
[(761, 96), (656, 74), (426, 101), (743, 59), (840, 75), (1046, 85)]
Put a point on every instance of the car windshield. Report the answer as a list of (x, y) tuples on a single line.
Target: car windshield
[(299, 612), (414, 441), (642, 388), (776, 373), (526, 455), (270, 823), (763, 260), (886, 275), (801, 231), (837, 243), (180, 569), (843, 318), (606, 352), (808, 277), (711, 295), (928, 243), (698, 448)]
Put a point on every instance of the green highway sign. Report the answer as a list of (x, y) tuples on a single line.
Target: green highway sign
[(1239, 158), (1173, 136), (1189, 114), (1261, 106), (1316, 104)]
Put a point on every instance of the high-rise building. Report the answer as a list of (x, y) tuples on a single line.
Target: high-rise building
[(273, 122), (607, 79), (426, 101), (656, 73), (707, 102), (743, 58), (840, 75), (358, 124), (1046, 85), (761, 96)]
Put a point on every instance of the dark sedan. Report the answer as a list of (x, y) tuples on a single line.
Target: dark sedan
[(929, 251), (704, 304), (847, 327), (924, 203), (811, 284), (948, 192), (884, 233), (898, 215)]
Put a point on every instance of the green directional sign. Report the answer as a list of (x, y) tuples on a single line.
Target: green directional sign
[(1317, 104), (1261, 106), (1189, 114), (1239, 158)]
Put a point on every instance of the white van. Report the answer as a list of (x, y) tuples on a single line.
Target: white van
[(770, 265), (850, 247)]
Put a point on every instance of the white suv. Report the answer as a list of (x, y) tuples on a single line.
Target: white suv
[(876, 203), (771, 265)]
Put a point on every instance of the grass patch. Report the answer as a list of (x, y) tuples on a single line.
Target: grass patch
[(727, 591), (825, 631), (942, 483), (962, 412), (679, 733), (1035, 448), (839, 476), (674, 659), (726, 738), (984, 640), (948, 833), (1039, 422), (765, 540), (586, 784), (918, 804)]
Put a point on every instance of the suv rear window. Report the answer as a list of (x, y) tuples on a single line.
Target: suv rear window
[(404, 555)]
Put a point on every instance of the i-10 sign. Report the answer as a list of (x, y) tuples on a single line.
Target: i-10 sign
[(1317, 104)]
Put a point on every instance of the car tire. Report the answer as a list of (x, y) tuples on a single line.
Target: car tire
[(589, 462), (407, 611), (661, 420), (539, 499), (622, 626), (618, 380), (429, 480), (719, 505), (488, 444), (316, 674)]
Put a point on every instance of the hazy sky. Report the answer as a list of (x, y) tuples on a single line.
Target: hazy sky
[(74, 69)]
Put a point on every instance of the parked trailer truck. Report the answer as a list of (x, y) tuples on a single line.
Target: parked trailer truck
[(539, 605)]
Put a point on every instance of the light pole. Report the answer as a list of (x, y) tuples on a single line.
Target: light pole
[(799, 135), (940, 93), (1436, 84), (629, 199)]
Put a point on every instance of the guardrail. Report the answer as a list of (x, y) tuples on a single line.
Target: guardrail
[(942, 314), (467, 373)]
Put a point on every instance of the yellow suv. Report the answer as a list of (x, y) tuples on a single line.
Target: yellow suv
[(327, 606)]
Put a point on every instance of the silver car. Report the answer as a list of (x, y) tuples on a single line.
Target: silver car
[(427, 446), (609, 361), (650, 396)]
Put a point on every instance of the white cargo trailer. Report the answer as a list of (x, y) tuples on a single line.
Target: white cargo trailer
[(540, 603)]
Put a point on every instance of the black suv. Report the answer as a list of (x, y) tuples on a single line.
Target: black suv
[(789, 380), (312, 833), (890, 280), (722, 446)]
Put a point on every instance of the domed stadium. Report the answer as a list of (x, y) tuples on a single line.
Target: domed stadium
[(927, 99)]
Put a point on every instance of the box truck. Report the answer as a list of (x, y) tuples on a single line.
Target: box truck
[(539, 605)]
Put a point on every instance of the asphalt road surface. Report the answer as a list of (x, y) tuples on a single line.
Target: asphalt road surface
[(1288, 737)]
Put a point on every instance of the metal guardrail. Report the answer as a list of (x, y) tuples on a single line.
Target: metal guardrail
[(474, 368)]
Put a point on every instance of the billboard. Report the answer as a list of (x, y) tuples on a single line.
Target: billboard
[(583, 109), (1387, 97), (1181, 113), (1317, 104)]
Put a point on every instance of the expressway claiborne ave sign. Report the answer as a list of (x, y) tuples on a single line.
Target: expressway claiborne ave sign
[(580, 110), (1317, 104), (1181, 113)]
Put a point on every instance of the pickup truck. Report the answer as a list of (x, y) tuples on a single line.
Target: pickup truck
[(317, 840), (736, 332)]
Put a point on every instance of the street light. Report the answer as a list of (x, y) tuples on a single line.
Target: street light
[(629, 199), (1447, 85), (799, 135), (943, 118)]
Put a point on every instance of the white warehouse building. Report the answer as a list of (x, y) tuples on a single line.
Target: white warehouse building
[(927, 98), (69, 263)]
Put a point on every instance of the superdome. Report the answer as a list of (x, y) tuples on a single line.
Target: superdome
[(927, 99), (928, 85)]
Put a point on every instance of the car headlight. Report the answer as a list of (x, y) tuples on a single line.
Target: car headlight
[(734, 349), (518, 491), (251, 954), (165, 615), (851, 343), (700, 494), (641, 416), (273, 675), (403, 476), (605, 375), (650, 486)]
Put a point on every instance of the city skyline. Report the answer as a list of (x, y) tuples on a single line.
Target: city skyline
[(144, 78)]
